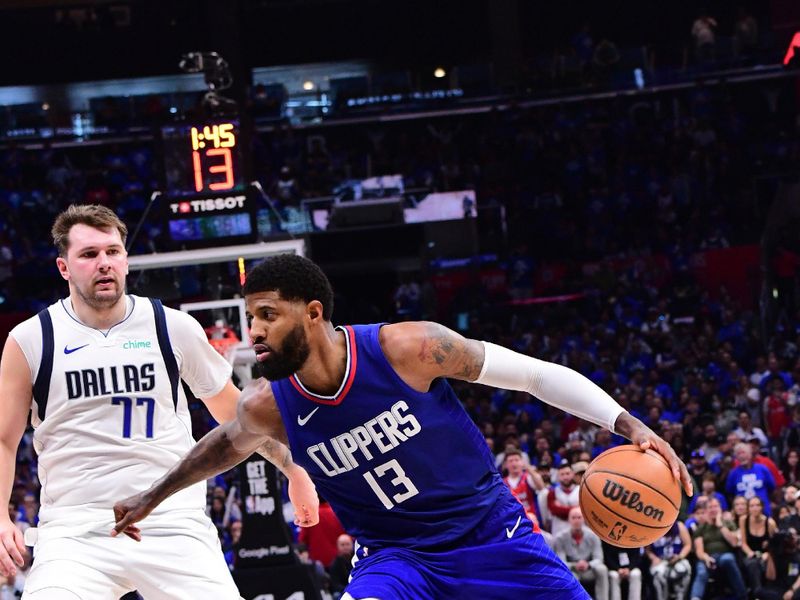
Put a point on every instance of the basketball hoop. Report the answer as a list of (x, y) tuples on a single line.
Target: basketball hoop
[(223, 345), (238, 353)]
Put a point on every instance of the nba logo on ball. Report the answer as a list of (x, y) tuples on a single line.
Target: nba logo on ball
[(629, 497)]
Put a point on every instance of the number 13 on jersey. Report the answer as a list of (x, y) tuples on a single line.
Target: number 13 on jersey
[(400, 483)]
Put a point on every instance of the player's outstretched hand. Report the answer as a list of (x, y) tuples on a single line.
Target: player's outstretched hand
[(130, 511), (12, 548), (644, 437), (303, 496)]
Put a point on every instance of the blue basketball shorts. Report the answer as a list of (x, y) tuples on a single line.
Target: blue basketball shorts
[(502, 559)]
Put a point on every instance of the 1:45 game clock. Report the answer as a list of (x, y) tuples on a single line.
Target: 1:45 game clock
[(202, 158)]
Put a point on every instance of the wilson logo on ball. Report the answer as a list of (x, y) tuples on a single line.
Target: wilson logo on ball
[(617, 493)]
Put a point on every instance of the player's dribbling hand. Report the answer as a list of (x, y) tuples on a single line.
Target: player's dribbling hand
[(303, 496), (129, 511), (644, 437), (12, 548)]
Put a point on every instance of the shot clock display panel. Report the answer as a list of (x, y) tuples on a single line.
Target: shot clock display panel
[(204, 183), (202, 158)]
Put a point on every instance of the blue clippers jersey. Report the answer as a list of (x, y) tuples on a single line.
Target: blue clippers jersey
[(399, 467)]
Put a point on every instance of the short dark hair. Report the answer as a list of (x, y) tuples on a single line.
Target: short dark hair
[(294, 277), (92, 215)]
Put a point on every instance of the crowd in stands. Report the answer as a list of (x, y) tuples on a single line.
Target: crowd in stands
[(698, 373), (696, 370)]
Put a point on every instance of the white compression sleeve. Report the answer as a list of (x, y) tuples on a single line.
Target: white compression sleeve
[(555, 384)]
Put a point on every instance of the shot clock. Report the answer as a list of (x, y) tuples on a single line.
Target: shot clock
[(201, 158), (205, 184)]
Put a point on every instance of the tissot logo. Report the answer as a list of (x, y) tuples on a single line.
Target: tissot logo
[(208, 205)]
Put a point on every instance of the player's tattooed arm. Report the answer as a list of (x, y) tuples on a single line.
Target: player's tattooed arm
[(422, 351), (265, 417), (257, 427), (449, 353), (277, 453), (221, 449)]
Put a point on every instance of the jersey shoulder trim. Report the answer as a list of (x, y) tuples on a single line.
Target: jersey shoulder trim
[(347, 380), (41, 387), (162, 333)]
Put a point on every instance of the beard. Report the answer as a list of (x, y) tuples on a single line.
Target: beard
[(283, 362), (100, 300)]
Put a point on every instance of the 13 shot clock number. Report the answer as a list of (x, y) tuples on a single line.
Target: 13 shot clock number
[(214, 143)]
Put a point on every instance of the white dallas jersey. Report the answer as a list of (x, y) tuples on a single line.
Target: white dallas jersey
[(112, 424)]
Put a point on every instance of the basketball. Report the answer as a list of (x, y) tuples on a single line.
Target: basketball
[(628, 497)]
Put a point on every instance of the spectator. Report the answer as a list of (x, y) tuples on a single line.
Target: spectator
[(745, 430), (708, 489), (216, 512), (755, 529), (602, 442), (230, 549), (738, 510), (791, 464), (579, 468), (781, 575), (763, 459), (623, 567), (29, 511), (561, 498), (698, 516), (582, 552), (791, 435), (784, 512), (698, 467), (669, 564), (542, 449), (523, 481), (749, 479), (500, 458), (714, 545), (723, 461), (745, 33), (789, 492), (774, 371), (704, 37), (341, 566), (776, 409), (711, 441), (792, 520)]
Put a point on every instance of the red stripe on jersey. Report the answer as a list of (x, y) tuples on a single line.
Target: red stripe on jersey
[(350, 376)]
